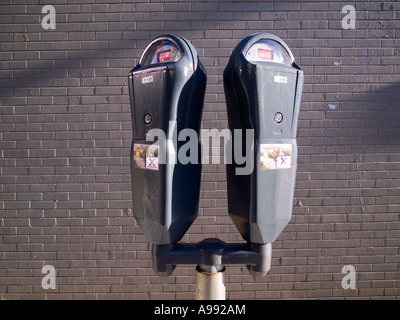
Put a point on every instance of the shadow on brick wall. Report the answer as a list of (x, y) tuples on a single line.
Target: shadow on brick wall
[(44, 72), (351, 123), (370, 121), (199, 20), (70, 60)]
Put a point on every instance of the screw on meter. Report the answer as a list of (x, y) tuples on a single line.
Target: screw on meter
[(147, 118), (278, 117)]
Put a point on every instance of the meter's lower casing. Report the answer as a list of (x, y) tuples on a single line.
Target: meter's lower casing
[(165, 201), (253, 199)]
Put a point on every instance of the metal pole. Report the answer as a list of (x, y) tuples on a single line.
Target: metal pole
[(210, 282)]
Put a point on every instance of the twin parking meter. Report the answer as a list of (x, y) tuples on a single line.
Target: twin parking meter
[(263, 87)]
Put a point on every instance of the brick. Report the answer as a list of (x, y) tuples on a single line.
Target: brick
[(66, 132)]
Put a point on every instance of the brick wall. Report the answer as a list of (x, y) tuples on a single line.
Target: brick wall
[(65, 134)]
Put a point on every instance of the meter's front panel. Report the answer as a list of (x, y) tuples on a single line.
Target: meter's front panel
[(152, 96)]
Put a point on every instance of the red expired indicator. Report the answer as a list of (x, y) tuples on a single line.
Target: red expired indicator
[(265, 54), (165, 56)]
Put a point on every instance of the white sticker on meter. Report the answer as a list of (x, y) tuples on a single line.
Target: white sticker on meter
[(280, 79), (275, 156), (147, 79), (145, 156)]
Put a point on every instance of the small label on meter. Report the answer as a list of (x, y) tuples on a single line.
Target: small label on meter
[(145, 156), (275, 156), (265, 54), (280, 79), (165, 56), (147, 79)]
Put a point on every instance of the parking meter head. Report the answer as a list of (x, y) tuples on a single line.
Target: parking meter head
[(263, 87), (166, 91)]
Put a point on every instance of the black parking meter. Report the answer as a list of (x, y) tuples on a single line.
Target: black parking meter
[(263, 88), (166, 91)]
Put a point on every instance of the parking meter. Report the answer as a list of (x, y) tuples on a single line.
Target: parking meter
[(263, 88), (166, 91)]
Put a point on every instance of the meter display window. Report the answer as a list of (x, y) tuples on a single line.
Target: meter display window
[(268, 51), (164, 56), (162, 51)]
